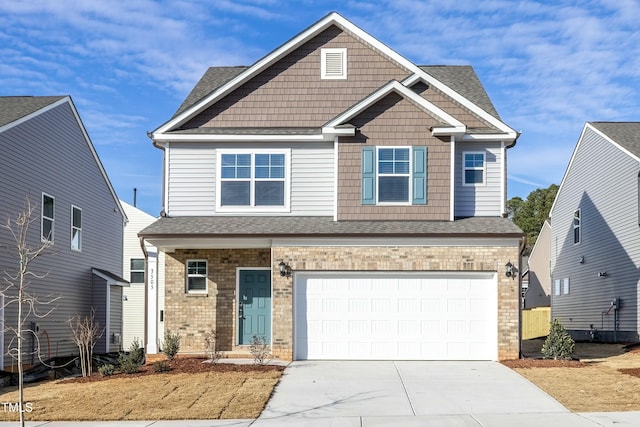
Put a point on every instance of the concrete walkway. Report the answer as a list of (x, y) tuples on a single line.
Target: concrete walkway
[(404, 394)]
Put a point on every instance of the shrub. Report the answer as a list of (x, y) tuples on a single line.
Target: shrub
[(171, 344), (161, 366), (107, 369), (210, 347), (131, 362), (559, 344), (260, 350)]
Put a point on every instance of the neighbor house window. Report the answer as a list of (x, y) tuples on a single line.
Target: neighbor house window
[(333, 63), (46, 225), (136, 270), (254, 180), (474, 168), (76, 228), (576, 226), (561, 286), (394, 175), (197, 276)]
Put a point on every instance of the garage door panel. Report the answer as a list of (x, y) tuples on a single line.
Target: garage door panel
[(378, 316)]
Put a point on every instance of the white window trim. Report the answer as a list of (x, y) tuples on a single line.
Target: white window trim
[(73, 227), (484, 170), (579, 226), (132, 270), (323, 63), (206, 277), (565, 286), (52, 219), (409, 201), (254, 209)]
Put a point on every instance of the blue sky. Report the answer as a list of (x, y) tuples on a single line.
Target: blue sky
[(548, 66)]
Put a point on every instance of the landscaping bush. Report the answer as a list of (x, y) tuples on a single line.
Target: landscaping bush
[(171, 344), (559, 344), (260, 350), (107, 370), (131, 362), (161, 366), (210, 350)]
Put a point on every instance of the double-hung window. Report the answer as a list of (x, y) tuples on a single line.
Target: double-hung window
[(136, 270), (394, 175), (576, 227), (254, 180), (196, 276), (474, 168), (46, 225), (76, 228)]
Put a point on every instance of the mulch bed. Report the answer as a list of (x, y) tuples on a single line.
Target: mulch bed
[(543, 363), (191, 365)]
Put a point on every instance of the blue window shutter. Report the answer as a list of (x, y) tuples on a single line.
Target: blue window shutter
[(419, 175), (369, 175)]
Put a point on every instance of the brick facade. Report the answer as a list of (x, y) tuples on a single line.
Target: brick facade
[(193, 315)]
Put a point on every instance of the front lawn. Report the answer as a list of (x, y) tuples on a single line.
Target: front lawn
[(193, 389)]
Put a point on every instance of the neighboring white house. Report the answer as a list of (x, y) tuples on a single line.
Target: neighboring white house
[(140, 269)]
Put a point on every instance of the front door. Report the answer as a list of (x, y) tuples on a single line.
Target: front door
[(254, 305)]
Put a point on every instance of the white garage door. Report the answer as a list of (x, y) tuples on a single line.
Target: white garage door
[(379, 316)]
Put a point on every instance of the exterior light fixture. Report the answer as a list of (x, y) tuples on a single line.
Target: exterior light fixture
[(602, 274), (285, 270), (511, 270)]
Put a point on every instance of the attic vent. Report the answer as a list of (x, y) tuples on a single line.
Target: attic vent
[(334, 63)]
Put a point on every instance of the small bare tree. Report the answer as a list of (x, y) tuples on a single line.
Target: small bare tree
[(85, 332), (15, 288)]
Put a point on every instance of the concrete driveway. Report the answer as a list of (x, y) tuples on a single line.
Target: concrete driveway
[(406, 393)]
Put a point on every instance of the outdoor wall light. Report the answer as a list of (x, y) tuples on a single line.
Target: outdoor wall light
[(602, 274), (511, 270), (285, 270)]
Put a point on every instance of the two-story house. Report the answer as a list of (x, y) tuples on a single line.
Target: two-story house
[(48, 160), (341, 202), (595, 244)]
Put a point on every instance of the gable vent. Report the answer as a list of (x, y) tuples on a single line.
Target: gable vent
[(334, 63)]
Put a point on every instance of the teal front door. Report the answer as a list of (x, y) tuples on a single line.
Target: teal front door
[(254, 306)]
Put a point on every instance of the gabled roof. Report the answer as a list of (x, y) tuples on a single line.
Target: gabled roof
[(15, 110), (214, 80), (450, 124), (625, 134)]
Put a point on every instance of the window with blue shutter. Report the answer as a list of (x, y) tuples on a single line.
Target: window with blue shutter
[(394, 175)]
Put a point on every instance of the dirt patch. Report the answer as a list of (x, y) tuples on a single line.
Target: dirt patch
[(193, 389), (605, 377)]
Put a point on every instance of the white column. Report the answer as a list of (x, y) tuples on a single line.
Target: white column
[(152, 302)]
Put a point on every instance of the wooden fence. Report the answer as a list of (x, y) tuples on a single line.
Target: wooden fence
[(535, 322)]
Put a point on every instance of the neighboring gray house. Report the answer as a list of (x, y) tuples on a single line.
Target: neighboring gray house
[(48, 158), (595, 244), (538, 269), (141, 269), (342, 203)]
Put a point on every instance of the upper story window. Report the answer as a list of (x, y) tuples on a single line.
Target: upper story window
[(253, 180), (76, 228), (136, 270), (394, 175), (46, 225), (577, 234), (473, 168), (333, 63), (196, 276)]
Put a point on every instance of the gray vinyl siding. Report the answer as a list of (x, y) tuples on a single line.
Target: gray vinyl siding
[(48, 153), (192, 178), (481, 200), (602, 181), (115, 319)]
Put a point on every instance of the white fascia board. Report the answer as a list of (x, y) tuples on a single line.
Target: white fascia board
[(486, 137), (446, 131), (399, 88), (237, 138), (328, 130), (420, 74)]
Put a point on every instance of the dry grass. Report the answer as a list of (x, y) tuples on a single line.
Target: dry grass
[(211, 395), (597, 386)]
